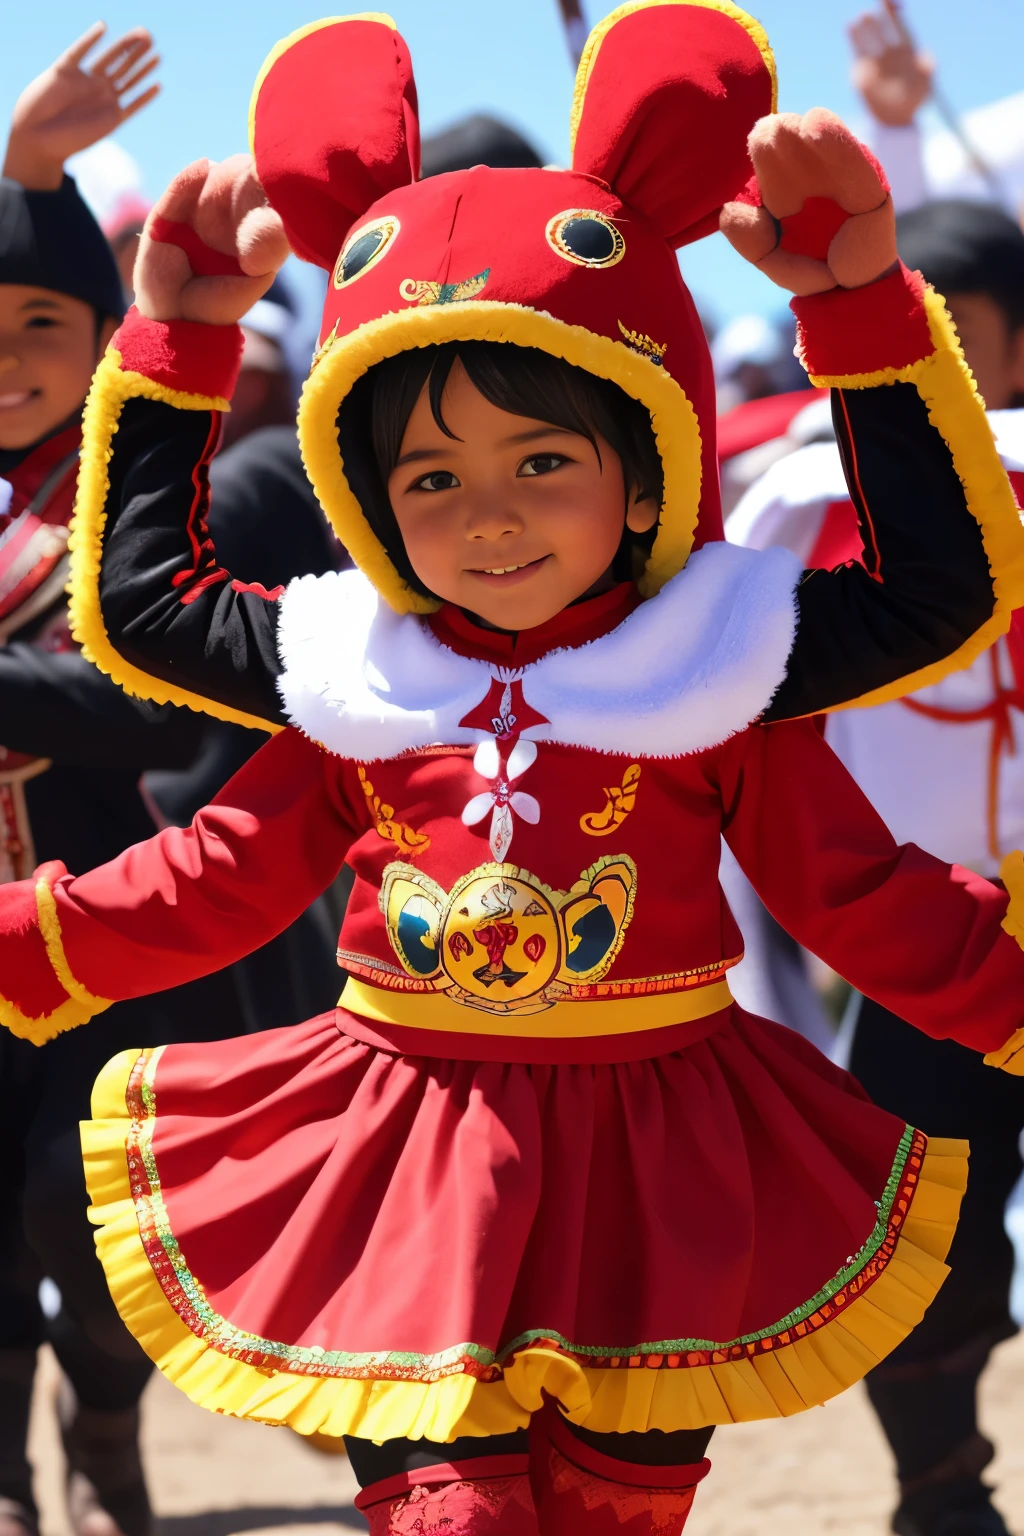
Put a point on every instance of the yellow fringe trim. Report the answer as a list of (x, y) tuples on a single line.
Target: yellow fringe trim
[(593, 47), (80, 1005), (1010, 1056), (673, 419), (799, 1375), (289, 42), (111, 387), (957, 412)]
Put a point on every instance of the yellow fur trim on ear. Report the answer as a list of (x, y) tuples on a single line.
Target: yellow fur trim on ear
[(957, 412), (815, 1358), (289, 42), (592, 48), (80, 1005), (111, 387), (673, 419)]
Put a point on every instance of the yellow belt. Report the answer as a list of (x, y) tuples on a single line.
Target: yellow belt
[(608, 1016)]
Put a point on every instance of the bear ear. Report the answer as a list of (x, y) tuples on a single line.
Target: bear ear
[(666, 94), (333, 126)]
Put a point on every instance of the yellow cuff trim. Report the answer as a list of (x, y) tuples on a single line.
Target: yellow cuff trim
[(1010, 1055), (800, 1374), (80, 1005), (957, 412), (111, 387), (673, 419), (592, 48)]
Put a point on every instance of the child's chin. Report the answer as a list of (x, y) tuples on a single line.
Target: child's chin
[(21, 427)]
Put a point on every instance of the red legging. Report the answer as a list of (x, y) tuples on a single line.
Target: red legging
[(556, 1483)]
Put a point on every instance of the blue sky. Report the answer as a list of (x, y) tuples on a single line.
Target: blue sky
[(486, 54)]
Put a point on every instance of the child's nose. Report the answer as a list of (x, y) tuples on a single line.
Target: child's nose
[(7, 359), (490, 518)]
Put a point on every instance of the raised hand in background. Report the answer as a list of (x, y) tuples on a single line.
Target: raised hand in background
[(73, 104)]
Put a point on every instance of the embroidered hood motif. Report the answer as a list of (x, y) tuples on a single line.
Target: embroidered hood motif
[(579, 263), (682, 673)]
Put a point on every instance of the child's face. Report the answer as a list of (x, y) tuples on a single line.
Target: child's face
[(512, 518), (993, 349), (48, 350)]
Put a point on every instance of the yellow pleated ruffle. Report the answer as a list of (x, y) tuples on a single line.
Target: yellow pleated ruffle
[(799, 1372)]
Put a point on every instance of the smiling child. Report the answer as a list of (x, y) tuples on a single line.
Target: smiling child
[(537, 1206)]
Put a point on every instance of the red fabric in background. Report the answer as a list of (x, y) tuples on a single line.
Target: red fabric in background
[(758, 421)]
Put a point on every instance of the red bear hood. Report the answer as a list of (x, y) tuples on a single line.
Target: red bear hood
[(579, 263)]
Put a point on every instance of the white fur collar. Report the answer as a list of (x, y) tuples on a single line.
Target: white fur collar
[(683, 672)]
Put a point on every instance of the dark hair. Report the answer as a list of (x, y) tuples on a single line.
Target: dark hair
[(523, 380), (967, 247)]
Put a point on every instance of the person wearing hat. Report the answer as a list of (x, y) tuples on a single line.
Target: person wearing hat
[(74, 749), (536, 1206)]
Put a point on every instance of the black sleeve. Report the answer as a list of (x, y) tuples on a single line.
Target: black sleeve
[(265, 521), (925, 587), (58, 705), (168, 607)]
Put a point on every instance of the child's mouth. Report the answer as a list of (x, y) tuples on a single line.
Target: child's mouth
[(508, 575), (11, 402)]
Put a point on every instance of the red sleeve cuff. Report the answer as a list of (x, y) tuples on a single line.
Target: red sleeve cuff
[(30, 990), (855, 331), (181, 354)]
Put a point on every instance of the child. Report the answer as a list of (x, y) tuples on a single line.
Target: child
[(537, 1171)]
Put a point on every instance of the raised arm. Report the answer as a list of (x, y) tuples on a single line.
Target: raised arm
[(942, 535), (150, 604), (186, 903), (931, 942)]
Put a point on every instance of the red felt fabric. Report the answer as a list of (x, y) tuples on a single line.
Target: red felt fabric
[(31, 984), (181, 354), (335, 128), (670, 99), (811, 231), (202, 258), (861, 330)]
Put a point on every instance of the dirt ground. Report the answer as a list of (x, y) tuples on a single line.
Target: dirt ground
[(824, 1472)]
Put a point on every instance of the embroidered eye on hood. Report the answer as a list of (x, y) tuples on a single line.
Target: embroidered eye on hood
[(580, 263)]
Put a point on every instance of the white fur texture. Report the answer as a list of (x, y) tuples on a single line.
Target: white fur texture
[(685, 671)]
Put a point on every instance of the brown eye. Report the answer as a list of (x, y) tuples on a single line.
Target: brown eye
[(586, 238), (363, 249)]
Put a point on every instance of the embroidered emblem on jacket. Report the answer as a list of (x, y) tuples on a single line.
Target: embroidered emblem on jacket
[(503, 941), (397, 832), (619, 801), (415, 291)]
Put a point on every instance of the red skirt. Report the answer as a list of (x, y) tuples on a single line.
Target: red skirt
[(303, 1228)]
